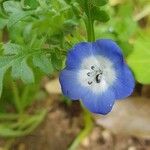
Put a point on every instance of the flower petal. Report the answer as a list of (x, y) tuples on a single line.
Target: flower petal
[(70, 85), (77, 54), (101, 104), (109, 49), (124, 84)]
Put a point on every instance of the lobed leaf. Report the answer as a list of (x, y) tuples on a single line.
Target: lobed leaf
[(57, 62), (11, 48), (27, 75), (20, 69), (99, 15), (43, 62), (11, 6), (15, 17)]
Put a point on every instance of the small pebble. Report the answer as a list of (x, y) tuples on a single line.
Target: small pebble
[(86, 142), (95, 134), (132, 148), (106, 135)]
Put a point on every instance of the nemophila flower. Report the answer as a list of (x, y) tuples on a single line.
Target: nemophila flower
[(96, 74)]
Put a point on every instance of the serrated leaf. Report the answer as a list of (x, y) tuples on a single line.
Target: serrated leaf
[(11, 6), (20, 69), (17, 61), (57, 63), (99, 15), (16, 12), (15, 17), (31, 3), (26, 73), (16, 69), (11, 48), (43, 63), (5, 61), (139, 59)]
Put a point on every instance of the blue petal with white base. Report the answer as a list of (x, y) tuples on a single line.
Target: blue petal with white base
[(96, 74)]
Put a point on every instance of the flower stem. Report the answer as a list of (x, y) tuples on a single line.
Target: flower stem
[(87, 129), (88, 121), (89, 23)]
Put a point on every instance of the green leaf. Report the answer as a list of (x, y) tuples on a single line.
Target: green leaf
[(98, 2), (15, 11), (82, 3), (126, 47), (2, 72), (26, 72), (68, 1), (5, 61), (27, 32), (43, 62), (20, 69), (139, 60), (11, 6), (76, 10), (11, 48), (57, 62), (15, 57), (15, 17), (99, 15), (3, 23), (16, 71), (31, 3)]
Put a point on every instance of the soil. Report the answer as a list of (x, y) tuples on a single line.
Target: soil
[(63, 123)]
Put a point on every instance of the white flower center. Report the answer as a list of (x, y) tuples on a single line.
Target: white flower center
[(97, 73)]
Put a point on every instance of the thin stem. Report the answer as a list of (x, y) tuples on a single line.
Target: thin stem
[(16, 98), (89, 24), (24, 96), (8, 116), (87, 129), (22, 127)]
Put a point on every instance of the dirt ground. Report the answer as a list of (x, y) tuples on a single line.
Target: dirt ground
[(61, 126)]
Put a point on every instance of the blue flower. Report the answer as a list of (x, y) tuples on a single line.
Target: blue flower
[(97, 74)]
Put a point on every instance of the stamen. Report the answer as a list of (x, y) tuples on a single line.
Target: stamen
[(98, 78), (95, 75), (88, 73), (90, 82), (100, 72), (92, 67)]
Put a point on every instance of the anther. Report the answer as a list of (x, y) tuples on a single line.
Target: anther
[(100, 72), (88, 73), (98, 78), (92, 67), (90, 82)]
